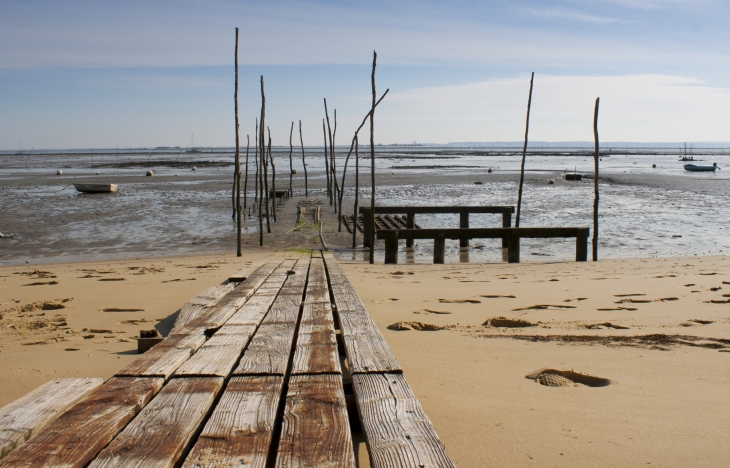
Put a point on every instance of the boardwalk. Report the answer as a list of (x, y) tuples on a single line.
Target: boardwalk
[(277, 369)]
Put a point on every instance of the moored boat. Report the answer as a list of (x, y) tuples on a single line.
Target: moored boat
[(696, 168), (96, 188)]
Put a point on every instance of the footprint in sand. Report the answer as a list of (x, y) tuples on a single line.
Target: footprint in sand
[(630, 309), (545, 307), (429, 311), (566, 378), (112, 309), (715, 289), (601, 326), (629, 295), (632, 301), (504, 322), (40, 283), (578, 299), (178, 280), (112, 279), (497, 296), (459, 301), (401, 326), (666, 299), (689, 285)]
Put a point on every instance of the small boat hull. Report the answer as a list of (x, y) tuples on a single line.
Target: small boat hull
[(96, 188), (695, 168)]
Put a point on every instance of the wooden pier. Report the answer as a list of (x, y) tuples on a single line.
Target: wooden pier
[(275, 369), (411, 211)]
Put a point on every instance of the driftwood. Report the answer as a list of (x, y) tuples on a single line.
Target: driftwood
[(524, 155), (347, 159), (304, 164), (237, 181), (595, 183), (291, 163), (372, 160)]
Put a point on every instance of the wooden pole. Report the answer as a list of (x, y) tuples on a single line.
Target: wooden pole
[(595, 183), (273, 177), (326, 161), (262, 173), (357, 192), (331, 155), (237, 181), (524, 155), (304, 164), (245, 180), (333, 163), (256, 163), (291, 163), (347, 159), (372, 163)]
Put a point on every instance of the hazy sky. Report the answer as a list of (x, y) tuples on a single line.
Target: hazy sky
[(148, 73)]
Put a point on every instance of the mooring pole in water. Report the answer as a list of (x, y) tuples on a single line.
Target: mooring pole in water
[(304, 164), (595, 183), (524, 154), (372, 164), (237, 180)]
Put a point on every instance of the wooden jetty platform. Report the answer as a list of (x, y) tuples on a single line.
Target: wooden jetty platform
[(513, 236), (274, 368), (411, 211)]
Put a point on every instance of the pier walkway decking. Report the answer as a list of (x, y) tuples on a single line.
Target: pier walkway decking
[(277, 369)]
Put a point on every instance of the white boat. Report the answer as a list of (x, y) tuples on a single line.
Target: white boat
[(96, 188)]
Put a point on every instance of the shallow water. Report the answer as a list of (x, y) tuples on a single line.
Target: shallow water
[(191, 213)]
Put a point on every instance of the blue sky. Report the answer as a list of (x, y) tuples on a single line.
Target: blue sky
[(148, 73)]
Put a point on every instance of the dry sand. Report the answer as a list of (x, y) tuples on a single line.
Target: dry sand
[(667, 360)]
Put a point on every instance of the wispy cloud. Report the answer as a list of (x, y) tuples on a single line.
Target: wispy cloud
[(560, 13), (655, 4)]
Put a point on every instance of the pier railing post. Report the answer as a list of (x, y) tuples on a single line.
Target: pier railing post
[(464, 224), (391, 247), (439, 247), (410, 224), (513, 250), (581, 245), (367, 234), (506, 222)]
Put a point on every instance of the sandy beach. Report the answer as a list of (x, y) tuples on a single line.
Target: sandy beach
[(648, 326)]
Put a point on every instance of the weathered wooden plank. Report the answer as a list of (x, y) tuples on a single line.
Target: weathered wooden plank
[(83, 430), (163, 359), (217, 314), (161, 432), (250, 314), (240, 430), (316, 348), (269, 350), (219, 354), (437, 209), (285, 310), (366, 349), (397, 430), (486, 233), (200, 303), (345, 298), (315, 430), (29, 414)]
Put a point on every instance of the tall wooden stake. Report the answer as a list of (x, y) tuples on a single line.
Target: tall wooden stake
[(524, 155), (372, 164), (291, 163), (326, 162), (273, 177), (595, 184), (304, 164), (357, 193), (333, 184), (256, 163), (347, 159), (237, 182), (245, 180), (262, 152)]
